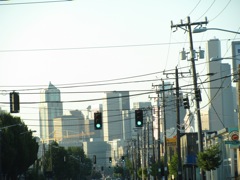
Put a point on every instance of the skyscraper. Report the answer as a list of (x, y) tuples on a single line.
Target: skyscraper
[(220, 92), (50, 107), (116, 119), (70, 128)]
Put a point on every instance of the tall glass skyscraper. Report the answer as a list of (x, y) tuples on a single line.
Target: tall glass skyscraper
[(50, 107), (116, 117)]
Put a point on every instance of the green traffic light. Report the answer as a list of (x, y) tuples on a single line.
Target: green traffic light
[(139, 123), (98, 126)]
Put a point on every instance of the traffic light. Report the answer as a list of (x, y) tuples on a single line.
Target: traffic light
[(186, 103), (14, 102), (110, 159), (198, 95), (94, 159), (139, 118), (98, 120), (123, 159)]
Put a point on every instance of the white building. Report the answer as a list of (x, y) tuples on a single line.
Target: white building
[(71, 129), (50, 107), (116, 117), (220, 92)]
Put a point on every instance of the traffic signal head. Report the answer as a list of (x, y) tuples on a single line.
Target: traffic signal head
[(138, 118), (123, 159), (94, 159), (198, 95), (110, 159), (98, 120), (186, 103), (14, 102)]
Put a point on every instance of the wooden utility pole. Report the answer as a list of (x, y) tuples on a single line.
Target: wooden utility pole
[(158, 91), (188, 27), (178, 127), (179, 175), (164, 134)]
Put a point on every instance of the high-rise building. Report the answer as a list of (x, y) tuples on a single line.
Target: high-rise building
[(220, 91), (71, 129), (50, 107), (116, 117)]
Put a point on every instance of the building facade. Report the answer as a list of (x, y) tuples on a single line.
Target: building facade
[(71, 129), (50, 107), (220, 91), (116, 117)]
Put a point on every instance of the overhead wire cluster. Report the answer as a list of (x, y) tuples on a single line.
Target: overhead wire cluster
[(29, 89)]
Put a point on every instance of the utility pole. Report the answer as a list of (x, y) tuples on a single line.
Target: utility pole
[(164, 129), (144, 147), (179, 175), (134, 158), (138, 153), (1, 174), (158, 116), (148, 130), (164, 134), (153, 142), (189, 25)]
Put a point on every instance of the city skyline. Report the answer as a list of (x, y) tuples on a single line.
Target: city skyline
[(86, 48)]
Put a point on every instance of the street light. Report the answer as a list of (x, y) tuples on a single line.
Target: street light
[(222, 58), (235, 65), (28, 132), (5, 127), (203, 29)]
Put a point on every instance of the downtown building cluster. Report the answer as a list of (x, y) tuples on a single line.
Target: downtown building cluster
[(119, 137)]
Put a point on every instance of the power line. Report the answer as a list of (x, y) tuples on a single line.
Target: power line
[(221, 11), (206, 10), (36, 2), (194, 8), (96, 47)]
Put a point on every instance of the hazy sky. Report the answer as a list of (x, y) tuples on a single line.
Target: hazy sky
[(73, 42)]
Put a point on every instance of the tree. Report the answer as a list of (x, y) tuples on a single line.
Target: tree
[(209, 159), (18, 147), (173, 168), (142, 171), (118, 171), (129, 169), (70, 163), (82, 163), (155, 168)]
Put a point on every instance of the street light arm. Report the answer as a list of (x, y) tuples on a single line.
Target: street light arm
[(10, 126), (222, 58), (27, 132), (203, 29)]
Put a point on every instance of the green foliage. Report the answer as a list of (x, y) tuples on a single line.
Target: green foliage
[(18, 147), (155, 167), (209, 159), (140, 172), (118, 170), (121, 172), (69, 163), (173, 167), (96, 175), (129, 166)]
